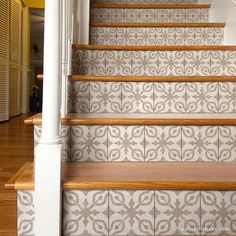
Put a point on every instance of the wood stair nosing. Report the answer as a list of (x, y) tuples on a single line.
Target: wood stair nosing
[(75, 78), (135, 176), (155, 48), (158, 25), (150, 6), (88, 119)]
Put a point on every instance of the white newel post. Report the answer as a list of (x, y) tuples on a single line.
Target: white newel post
[(49, 151)]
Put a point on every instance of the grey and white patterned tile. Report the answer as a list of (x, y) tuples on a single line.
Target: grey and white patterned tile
[(197, 63), (85, 213), (227, 97), (144, 63), (144, 2), (171, 63), (137, 97), (163, 143), (81, 97), (25, 213), (105, 97), (156, 36), (91, 62), (218, 213), (117, 63), (126, 143), (202, 97), (119, 15), (131, 213), (223, 63), (200, 143), (227, 143), (89, 143), (169, 98), (177, 212)]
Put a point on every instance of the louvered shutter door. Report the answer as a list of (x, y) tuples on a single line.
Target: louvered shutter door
[(4, 58), (15, 58)]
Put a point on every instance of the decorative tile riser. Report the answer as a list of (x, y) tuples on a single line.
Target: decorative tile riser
[(156, 36), (199, 15), (152, 97), (149, 143), (154, 63), (141, 213), (174, 2)]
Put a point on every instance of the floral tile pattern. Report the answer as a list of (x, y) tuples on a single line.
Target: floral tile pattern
[(162, 143), (25, 213), (89, 143), (85, 213), (176, 211), (153, 98), (153, 143), (218, 213), (144, 1), (137, 97), (156, 36), (144, 213), (131, 213), (200, 143), (149, 15), (66, 139), (227, 144), (154, 63), (125, 143)]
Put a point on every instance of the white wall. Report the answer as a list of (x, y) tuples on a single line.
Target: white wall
[(224, 11)]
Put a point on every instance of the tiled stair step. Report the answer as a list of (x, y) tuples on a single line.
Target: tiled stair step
[(137, 199), (104, 60), (163, 2), (172, 34), (146, 138), (150, 13), (152, 97)]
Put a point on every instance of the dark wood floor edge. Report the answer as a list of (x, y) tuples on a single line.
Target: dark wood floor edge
[(11, 184)]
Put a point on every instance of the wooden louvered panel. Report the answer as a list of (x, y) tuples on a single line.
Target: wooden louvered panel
[(4, 58), (15, 59)]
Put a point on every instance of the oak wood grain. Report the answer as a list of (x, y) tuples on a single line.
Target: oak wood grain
[(155, 48), (149, 6), (157, 25), (127, 175), (153, 78)]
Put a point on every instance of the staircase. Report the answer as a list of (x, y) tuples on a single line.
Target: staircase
[(149, 142)]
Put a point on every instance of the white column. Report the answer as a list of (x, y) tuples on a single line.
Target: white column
[(49, 151), (84, 19)]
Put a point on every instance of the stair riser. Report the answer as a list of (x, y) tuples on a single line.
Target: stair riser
[(152, 97), (174, 2), (150, 15), (145, 213), (148, 143), (156, 36), (154, 63)]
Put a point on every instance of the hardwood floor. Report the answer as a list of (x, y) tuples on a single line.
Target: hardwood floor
[(16, 148)]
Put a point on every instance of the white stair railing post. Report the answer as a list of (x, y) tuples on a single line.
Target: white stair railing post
[(48, 153)]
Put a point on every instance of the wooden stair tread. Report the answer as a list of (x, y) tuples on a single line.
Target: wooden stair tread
[(142, 119), (157, 25), (155, 48), (149, 6), (152, 78), (124, 175)]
